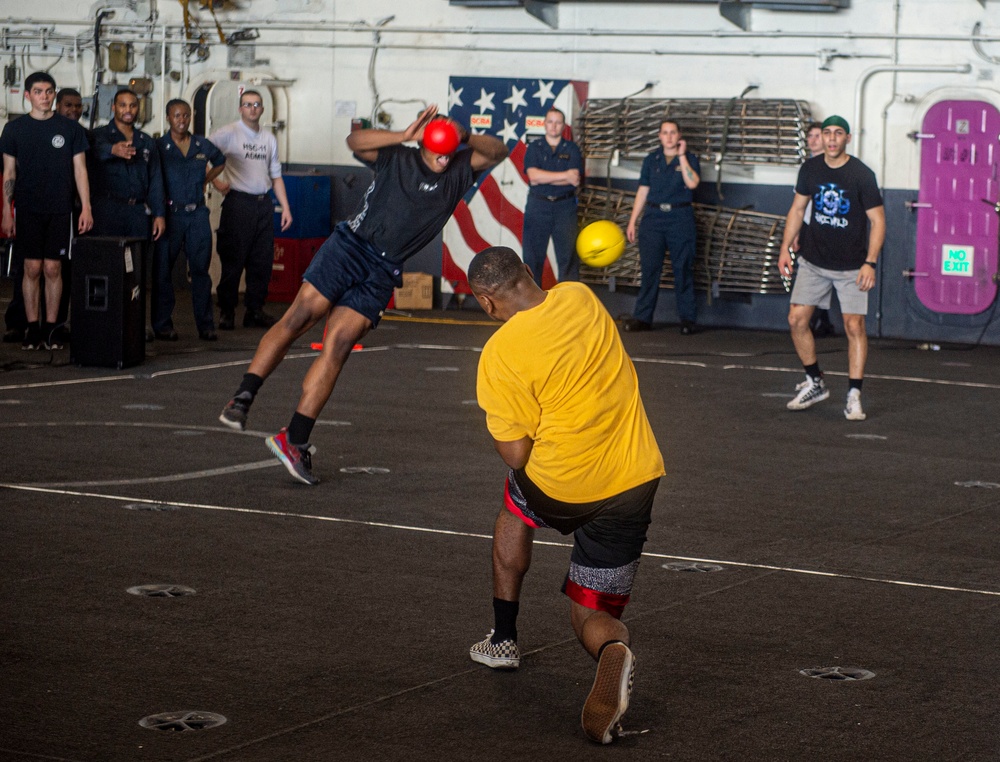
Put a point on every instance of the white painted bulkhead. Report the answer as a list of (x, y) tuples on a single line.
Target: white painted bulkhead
[(880, 63)]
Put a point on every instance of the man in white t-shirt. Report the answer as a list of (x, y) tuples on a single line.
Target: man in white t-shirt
[(246, 232)]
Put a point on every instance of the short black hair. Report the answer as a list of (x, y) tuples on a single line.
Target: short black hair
[(251, 92), (495, 269), (176, 102), (126, 91), (67, 92), (39, 76)]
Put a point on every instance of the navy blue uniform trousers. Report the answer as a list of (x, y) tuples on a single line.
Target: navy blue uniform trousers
[(556, 219), (658, 232), (192, 232)]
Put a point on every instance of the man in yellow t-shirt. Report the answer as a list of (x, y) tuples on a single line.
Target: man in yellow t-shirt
[(563, 407)]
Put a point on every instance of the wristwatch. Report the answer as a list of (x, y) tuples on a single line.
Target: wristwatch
[(873, 265)]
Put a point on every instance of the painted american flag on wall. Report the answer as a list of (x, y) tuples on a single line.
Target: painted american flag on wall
[(492, 213)]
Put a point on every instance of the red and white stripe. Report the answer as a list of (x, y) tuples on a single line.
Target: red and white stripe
[(493, 217)]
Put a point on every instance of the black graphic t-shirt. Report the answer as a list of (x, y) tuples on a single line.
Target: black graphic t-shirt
[(836, 238), (408, 204), (44, 150)]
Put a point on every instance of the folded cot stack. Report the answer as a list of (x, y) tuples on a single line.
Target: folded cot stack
[(739, 131), (737, 249)]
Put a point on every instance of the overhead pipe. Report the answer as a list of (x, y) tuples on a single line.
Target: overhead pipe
[(859, 89), (365, 27), (98, 71), (472, 47), (163, 79)]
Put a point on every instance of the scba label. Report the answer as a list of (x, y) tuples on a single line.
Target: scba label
[(957, 260)]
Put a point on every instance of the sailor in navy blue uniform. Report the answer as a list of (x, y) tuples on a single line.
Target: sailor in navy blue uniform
[(189, 162), (554, 167), (668, 176), (126, 186)]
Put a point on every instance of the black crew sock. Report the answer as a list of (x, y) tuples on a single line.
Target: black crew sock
[(300, 428), (813, 371), (854, 383), (250, 384), (505, 620)]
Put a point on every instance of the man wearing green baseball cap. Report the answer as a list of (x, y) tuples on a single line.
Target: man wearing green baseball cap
[(839, 251)]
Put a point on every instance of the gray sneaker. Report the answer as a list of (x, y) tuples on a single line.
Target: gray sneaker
[(608, 699), (809, 392), (502, 655), (234, 414)]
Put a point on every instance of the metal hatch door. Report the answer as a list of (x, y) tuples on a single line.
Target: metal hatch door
[(956, 255)]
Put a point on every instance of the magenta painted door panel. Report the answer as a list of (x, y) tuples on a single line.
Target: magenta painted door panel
[(956, 256)]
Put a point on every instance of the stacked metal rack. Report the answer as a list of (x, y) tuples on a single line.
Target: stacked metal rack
[(734, 130), (737, 249)]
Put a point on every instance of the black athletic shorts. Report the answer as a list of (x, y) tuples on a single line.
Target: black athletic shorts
[(42, 236), (606, 547), (349, 272)]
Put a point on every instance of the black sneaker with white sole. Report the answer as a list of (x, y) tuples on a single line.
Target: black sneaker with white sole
[(32, 337)]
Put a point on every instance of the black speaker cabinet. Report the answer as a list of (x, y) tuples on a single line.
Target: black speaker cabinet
[(108, 316)]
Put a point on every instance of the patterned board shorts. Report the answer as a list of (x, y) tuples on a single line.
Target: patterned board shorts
[(606, 549)]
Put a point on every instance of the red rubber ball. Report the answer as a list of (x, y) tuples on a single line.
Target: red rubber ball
[(440, 136)]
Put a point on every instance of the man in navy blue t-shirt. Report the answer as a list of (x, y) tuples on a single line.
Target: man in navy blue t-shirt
[(351, 278), (44, 157)]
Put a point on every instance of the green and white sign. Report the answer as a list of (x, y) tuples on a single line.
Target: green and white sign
[(957, 260)]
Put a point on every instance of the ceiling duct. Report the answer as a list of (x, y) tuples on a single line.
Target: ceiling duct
[(734, 11)]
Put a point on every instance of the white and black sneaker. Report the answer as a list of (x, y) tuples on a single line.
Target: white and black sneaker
[(502, 655), (853, 411), (809, 392)]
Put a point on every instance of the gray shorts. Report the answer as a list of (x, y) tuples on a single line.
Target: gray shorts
[(813, 286)]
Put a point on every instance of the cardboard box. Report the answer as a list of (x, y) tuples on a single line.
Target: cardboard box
[(416, 293)]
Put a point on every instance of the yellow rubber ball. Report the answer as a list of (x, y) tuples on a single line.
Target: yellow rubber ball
[(600, 243)]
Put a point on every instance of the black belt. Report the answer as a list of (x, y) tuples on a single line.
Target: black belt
[(563, 197), (128, 201), (255, 196), (669, 207), (174, 207)]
